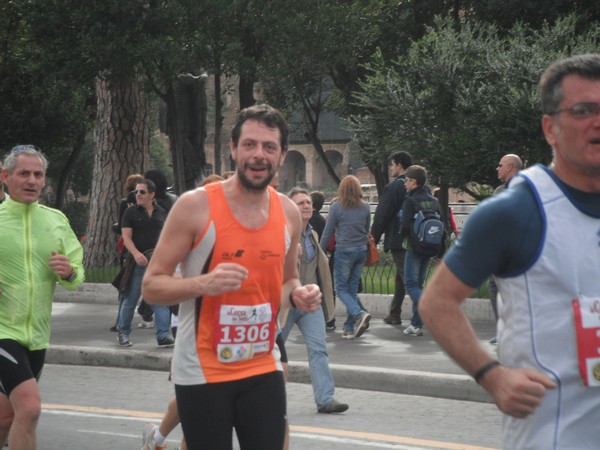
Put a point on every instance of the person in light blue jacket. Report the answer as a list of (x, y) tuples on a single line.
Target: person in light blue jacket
[(350, 219)]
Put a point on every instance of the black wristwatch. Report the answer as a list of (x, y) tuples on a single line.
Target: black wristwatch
[(71, 277)]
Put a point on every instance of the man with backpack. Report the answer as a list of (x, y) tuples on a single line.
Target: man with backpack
[(422, 230)]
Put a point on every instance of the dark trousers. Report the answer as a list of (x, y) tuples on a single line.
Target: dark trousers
[(400, 291)]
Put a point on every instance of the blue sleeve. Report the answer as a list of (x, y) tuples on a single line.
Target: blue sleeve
[(501, 237)]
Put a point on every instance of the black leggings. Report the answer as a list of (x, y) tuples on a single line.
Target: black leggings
[(255, 407)]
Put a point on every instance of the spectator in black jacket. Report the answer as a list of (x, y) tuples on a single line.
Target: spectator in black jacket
[(165, 200), (387, 221)]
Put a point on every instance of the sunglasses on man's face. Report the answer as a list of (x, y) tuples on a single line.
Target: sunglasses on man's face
[(140, 191)]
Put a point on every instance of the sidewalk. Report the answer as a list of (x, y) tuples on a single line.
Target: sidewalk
[(383, 359)]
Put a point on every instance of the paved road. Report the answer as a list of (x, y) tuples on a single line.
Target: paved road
[(92, 408)]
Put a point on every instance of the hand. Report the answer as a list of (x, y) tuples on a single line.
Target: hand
[(517, 392), (225, 277), (140, 259), (307, 298), (60, 265)]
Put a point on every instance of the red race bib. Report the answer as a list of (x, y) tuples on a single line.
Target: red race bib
[(587, 327)]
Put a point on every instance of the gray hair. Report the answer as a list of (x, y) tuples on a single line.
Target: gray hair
[(298, 190), (586, 66), (10, 162)]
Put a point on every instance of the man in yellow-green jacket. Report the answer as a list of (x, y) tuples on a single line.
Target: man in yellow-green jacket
[(37, 249)]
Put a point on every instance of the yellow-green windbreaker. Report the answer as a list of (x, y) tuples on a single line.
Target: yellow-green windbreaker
[(28, 235)]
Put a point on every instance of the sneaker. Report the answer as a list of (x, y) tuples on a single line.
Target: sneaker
[(124, 340), (114, 328), (144, 324), (148, 437), (393, 320), (333, 407), (166, 342), (494, 340), (413, 331), (348, 334), (330, 326), (361, 323)]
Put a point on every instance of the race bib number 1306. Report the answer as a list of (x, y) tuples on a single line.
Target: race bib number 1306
[(243, 332)]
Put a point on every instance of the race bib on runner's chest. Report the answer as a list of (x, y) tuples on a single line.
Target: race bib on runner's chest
[(243, 332), (587, 327)]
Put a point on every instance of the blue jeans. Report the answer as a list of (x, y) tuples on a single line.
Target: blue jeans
[(415, 271), (131, 295), (312, 327), (348, 267)]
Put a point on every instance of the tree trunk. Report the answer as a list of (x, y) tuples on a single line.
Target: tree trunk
[(61, 187), (186, 117), (312, 123), (218, 123), (246, 91), (122, 142)]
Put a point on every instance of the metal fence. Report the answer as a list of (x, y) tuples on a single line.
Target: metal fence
[(377, 279)]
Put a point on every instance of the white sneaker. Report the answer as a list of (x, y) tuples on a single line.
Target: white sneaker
[(144, 324), (413, 331), (148, 437)]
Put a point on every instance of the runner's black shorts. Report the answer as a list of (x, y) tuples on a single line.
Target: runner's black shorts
[(255, 407), (18, 364)]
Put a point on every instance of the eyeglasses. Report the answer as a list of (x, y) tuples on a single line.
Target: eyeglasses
[(583, 110), (19, 148), (140, 191)]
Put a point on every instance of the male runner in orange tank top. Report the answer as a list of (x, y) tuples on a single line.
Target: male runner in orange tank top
[(237, 245)]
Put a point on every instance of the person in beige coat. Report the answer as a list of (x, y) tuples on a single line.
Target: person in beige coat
[(314, 268)]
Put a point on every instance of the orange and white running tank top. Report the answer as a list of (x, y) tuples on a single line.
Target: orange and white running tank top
[(232, 336)]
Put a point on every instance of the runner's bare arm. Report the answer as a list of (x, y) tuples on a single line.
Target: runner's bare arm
[(516, 391), (186, 222)]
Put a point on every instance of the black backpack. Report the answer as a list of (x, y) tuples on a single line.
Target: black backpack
[(427, 232)]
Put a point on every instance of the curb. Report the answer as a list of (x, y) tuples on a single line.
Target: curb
[(448, 386)]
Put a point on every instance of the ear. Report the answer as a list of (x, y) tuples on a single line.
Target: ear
[(282, 158), (232, 150), (549, 128)]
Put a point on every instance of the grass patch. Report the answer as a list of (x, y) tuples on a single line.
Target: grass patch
[(101, 274)]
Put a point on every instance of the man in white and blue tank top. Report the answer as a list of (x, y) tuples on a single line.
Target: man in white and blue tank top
[(541, 240)]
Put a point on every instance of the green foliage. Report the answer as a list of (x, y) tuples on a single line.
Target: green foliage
[(463, 96), (159, 157), (78, 214), (39, 106)]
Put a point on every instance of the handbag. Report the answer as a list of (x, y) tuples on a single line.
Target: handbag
[(372, 252)]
